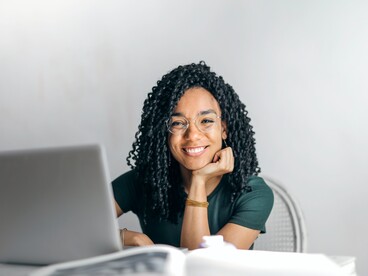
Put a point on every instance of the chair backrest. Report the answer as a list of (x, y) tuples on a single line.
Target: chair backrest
[(285, 228)]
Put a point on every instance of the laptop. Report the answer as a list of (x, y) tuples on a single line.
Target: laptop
[(56, 205)]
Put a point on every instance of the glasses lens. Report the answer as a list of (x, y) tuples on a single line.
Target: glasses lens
[(206, 122), (177, 125)]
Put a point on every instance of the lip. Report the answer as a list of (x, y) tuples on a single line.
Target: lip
[(194, 151)]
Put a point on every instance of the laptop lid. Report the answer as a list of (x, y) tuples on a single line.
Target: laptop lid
[(56, 205)]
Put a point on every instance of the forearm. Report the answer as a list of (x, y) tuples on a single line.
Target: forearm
[(195, 221)]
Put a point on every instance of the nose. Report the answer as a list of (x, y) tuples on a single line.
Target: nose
[(192, 132)]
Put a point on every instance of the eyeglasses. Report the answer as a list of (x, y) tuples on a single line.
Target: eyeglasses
[(205, 122)]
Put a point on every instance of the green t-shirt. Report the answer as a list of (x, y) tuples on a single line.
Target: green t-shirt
[(250, 209)]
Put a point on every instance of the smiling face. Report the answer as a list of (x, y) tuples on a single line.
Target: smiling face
[(194, 149)]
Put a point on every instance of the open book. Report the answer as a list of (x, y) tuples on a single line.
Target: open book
[(170, 261), (147, 260)]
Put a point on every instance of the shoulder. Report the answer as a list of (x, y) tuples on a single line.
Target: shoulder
[(126, 183), (129, 176), (259, 192), (258, 184), (126, 191)]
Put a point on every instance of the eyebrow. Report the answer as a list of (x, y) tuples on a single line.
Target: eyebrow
[(204, 112)]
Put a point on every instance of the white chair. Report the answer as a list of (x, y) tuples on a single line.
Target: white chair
[(285, 228)]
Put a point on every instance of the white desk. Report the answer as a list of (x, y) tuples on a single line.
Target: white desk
[(347, 263)]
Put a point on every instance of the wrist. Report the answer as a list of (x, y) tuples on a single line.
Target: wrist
[(195, 203), (198, 180)]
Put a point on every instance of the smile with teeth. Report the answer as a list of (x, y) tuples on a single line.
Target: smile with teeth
[(194, 150)]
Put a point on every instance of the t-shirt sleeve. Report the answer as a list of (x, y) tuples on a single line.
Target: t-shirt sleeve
[(125, 191), (252, 208)]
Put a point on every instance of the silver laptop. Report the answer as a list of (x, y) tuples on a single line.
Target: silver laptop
[(56, 205)]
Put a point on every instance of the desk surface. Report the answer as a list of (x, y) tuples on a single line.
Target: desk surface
[(347, 263)]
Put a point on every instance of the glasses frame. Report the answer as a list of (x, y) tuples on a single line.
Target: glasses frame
[(183, 130)]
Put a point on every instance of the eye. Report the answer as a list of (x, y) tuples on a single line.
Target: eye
[(174, 124), (207, 121), (178, 123)]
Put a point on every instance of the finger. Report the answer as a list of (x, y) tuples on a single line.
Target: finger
[(216, 157), (226, 159)]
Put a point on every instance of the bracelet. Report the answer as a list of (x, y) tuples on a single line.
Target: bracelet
[(190, 202), (122, 234)]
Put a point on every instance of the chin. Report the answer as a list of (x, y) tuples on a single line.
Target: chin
[(196, 166)]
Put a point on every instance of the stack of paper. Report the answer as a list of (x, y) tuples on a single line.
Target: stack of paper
[(213, 262)]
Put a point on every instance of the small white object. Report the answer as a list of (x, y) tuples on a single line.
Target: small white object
[(215, 241)]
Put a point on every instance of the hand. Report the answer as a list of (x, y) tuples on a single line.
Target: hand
[(222, 163), (132, 238)]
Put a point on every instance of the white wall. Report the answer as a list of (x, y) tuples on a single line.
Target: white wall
[(78, 71)]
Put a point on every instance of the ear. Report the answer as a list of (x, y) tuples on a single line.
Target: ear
[(223, 130)]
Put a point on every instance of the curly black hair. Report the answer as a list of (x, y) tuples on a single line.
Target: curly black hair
[(157, 171)]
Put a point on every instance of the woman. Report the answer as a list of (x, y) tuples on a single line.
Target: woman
[(194, 165)]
